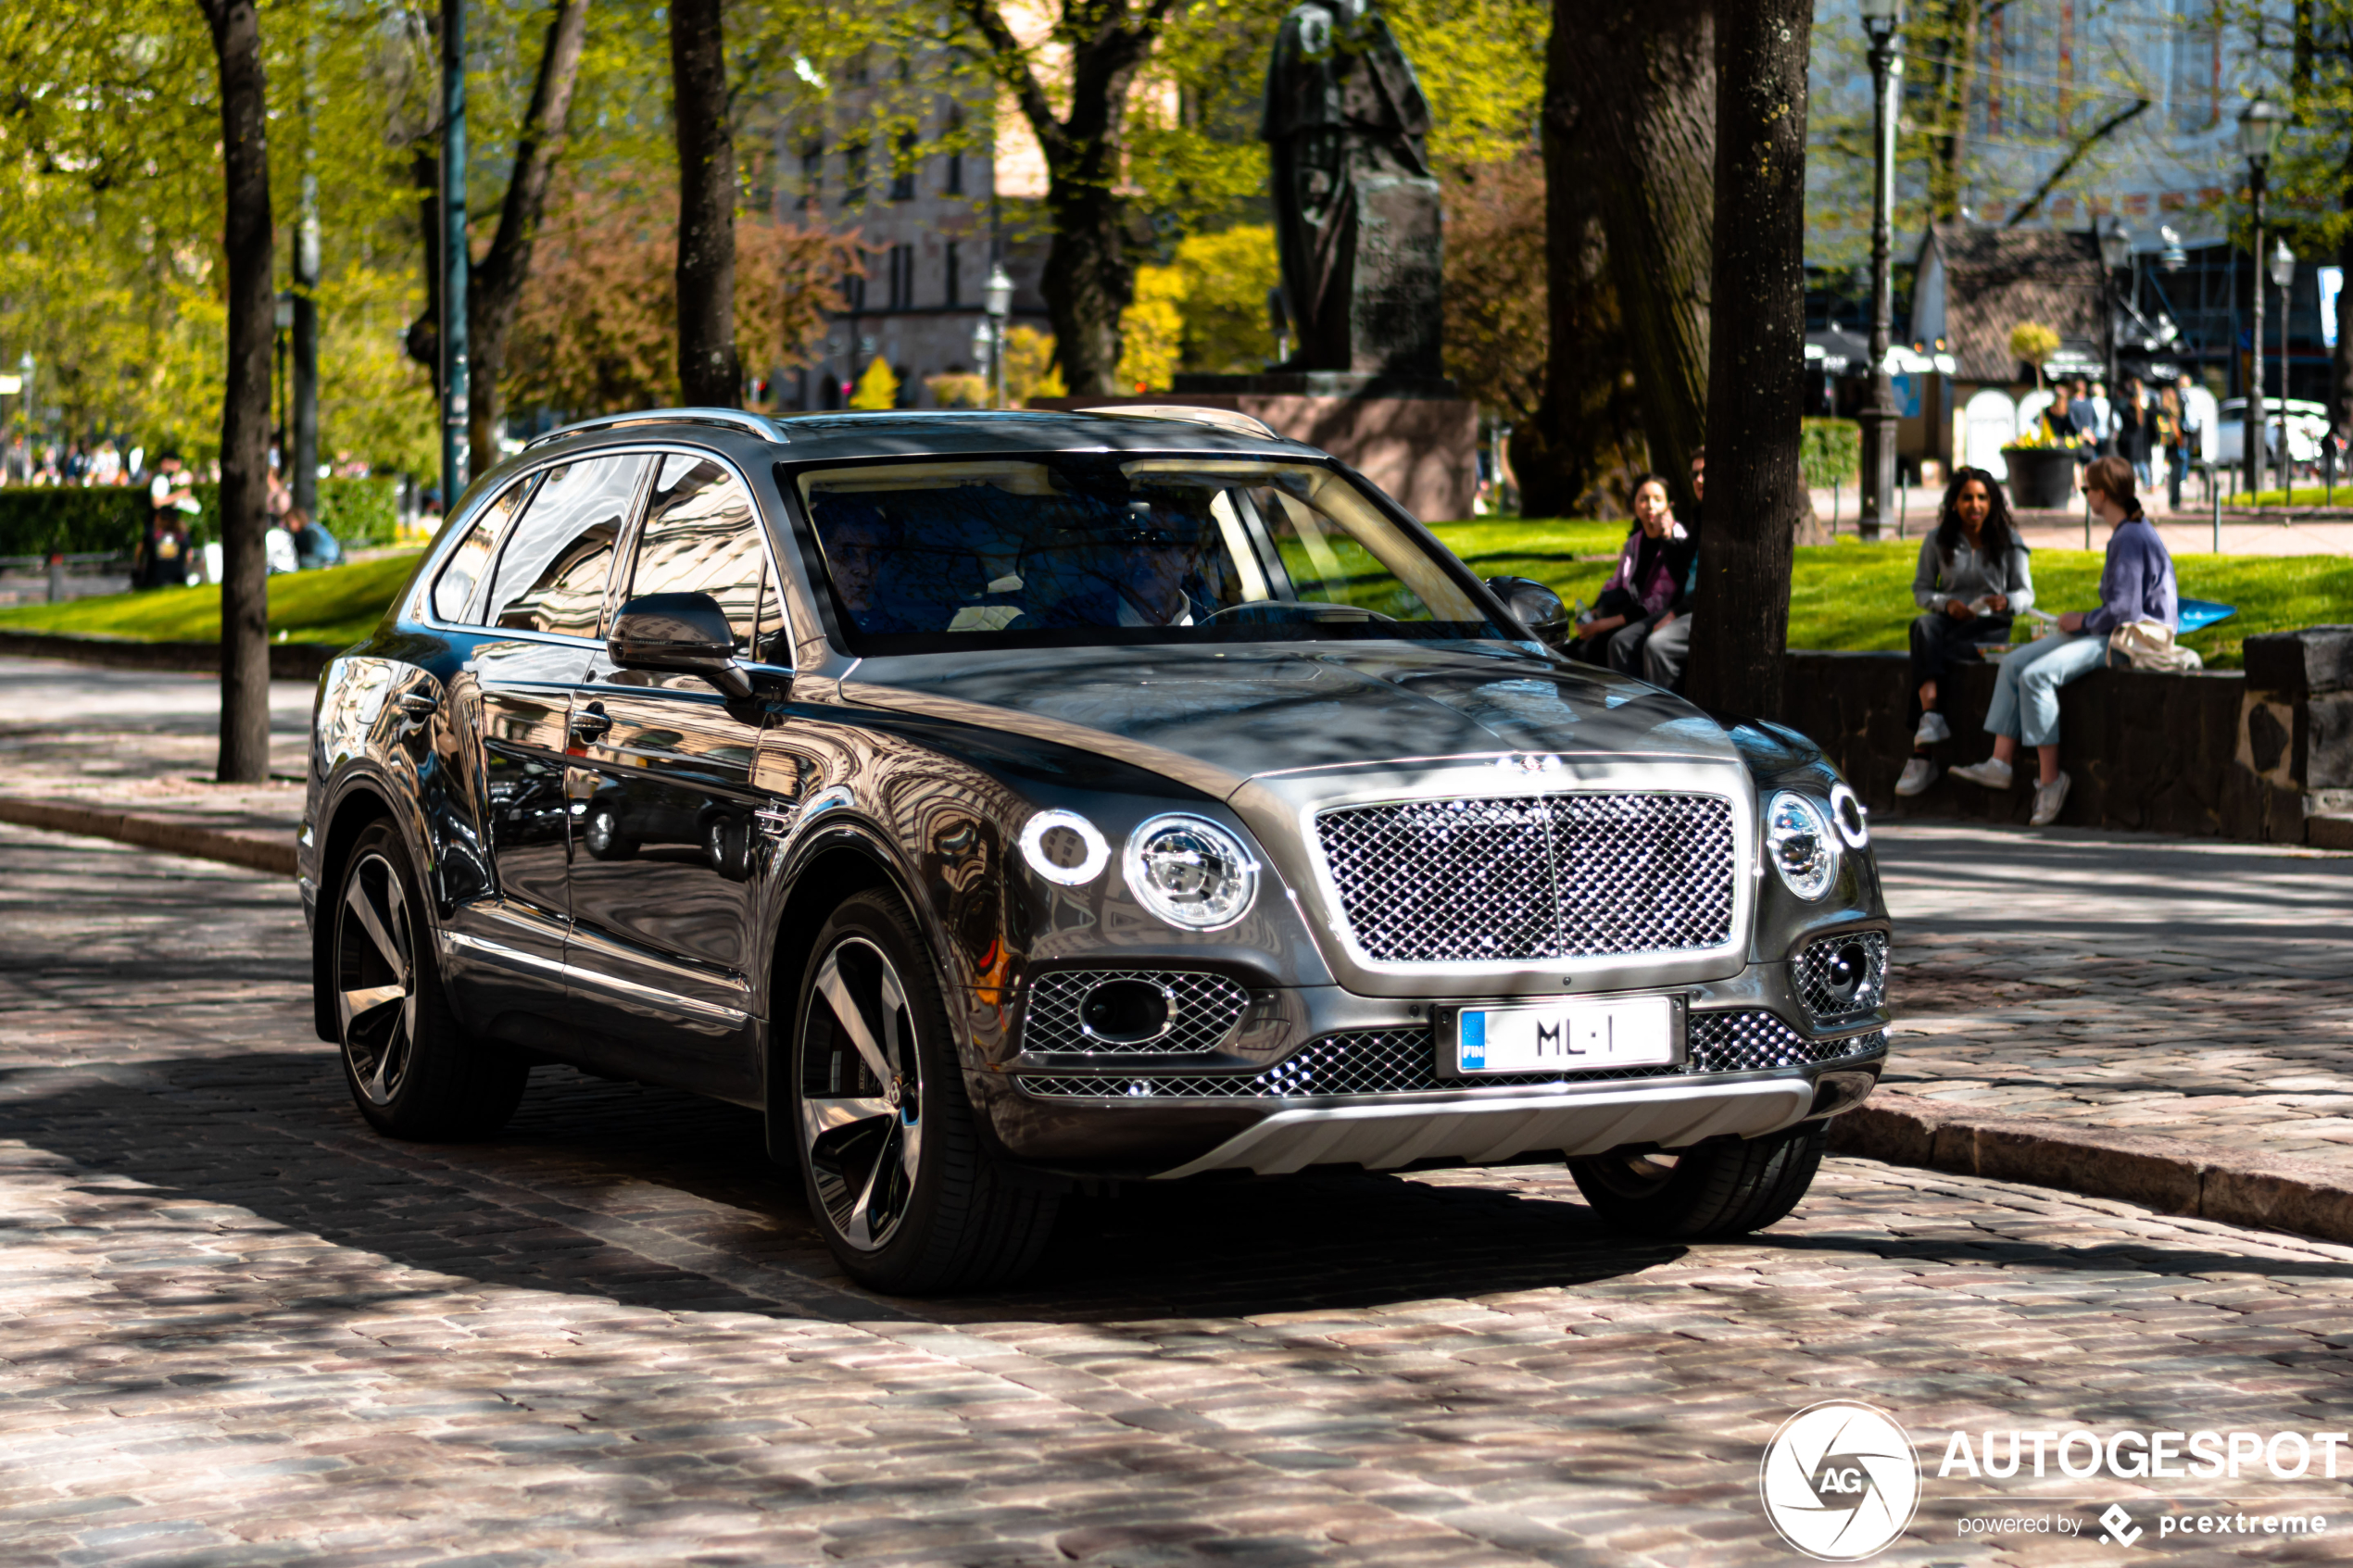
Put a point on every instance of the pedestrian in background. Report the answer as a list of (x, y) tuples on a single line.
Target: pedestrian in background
[(2173, 445), (2134, 437), (2136, 584), (1669, 648), (1642, 585), (1972, 581)]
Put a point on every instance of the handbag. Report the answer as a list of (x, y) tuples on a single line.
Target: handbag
[(2149, 645)]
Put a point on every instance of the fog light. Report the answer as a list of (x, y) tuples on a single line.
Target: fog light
[(1126, 1012)]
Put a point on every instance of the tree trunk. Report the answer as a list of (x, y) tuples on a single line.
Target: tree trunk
[(1089, 276), (1948, 144), (422, 341), (1756, 367), (495, 288), (1588, 423), (709, 376), (1645, 78), (245, 407)]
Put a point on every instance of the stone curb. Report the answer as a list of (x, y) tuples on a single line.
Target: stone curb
[(288, 662), (172, 835), (2170, 1175)]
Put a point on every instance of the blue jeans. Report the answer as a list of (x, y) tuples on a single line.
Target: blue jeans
[(2025, 705)]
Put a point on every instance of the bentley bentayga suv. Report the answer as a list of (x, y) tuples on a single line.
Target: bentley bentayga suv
[(1007, 803)]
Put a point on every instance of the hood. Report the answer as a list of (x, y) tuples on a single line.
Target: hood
[(1217, 716)]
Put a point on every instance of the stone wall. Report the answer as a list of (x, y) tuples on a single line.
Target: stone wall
[(2256, 756)]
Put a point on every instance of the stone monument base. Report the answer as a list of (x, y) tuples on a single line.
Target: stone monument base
[(1413, 437)]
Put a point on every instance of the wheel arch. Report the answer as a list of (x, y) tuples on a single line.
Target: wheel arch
[(360, 806)]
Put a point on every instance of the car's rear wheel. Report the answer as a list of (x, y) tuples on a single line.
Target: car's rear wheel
[(412, 1071), (896, 1175), (1715, 1189)]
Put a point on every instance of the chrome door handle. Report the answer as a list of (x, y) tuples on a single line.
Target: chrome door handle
[(419, 703), (590, 724)]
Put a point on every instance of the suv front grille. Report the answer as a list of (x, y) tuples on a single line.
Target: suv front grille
[(1403, 1062), (1205, 1009), (1533, 877)]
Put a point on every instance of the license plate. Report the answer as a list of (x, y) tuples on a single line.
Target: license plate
[(1567, 1036)]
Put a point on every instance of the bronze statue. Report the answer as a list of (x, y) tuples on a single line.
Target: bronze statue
[(1356, 206)]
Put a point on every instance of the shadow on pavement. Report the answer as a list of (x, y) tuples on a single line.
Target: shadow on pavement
[(659, 1199)]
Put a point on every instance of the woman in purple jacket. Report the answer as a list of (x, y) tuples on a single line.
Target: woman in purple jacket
[(1641, 587), (2135, 585)]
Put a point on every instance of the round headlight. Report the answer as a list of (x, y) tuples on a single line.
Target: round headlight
[(1851, 817), (1190, 873), (1065, 848), (1798, 842)]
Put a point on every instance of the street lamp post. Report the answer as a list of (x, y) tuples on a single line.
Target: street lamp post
[(454, 254), (2258, 128), (996, 297), (1880, 20), (2284, 278)]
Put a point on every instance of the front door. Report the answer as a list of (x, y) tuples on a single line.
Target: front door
[(663, 952)]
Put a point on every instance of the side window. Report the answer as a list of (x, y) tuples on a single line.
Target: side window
[(552, 573), (470, 562), (702, 536)]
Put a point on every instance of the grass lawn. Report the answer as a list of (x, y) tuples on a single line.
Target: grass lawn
[(1844, 596), (338, 605), (1859, 597)]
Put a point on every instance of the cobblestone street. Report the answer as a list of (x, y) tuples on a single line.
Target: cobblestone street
[(2199, 989), (236, 1328)]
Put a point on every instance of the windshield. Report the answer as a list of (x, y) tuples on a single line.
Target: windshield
[(1088, 549)]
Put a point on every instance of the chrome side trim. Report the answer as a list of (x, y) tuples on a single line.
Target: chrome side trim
[(693, 1006), (498, 952), (1384, 1136)]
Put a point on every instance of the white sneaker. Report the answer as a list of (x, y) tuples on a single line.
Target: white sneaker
[(1918, 773), (1932, 729), (2048, 799), (1992, 773)]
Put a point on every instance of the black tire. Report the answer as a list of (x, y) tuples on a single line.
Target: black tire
[(1718, 1189), (412, 1071), (955, 1221), (602, 837)]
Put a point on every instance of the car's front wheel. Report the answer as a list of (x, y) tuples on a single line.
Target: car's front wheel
[(894, 1169), (1717, 1189), (412, 1071)]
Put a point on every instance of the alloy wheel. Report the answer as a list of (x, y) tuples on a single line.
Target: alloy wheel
[(860, 1100), (376, 978)]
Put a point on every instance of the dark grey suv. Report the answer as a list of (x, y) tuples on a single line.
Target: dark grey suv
[(1005, 802)]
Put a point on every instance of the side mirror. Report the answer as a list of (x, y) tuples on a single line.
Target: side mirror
[(1536, 606), (678, 633)]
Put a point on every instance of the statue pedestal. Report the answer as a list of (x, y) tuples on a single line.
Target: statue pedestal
[(1413, 437)]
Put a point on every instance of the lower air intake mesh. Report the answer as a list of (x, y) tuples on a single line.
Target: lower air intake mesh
[(1401, 1062)]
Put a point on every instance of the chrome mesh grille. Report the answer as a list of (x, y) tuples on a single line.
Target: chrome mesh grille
[(1401, 1062), (1533, 877), (1816, 964), (1207, 1009)]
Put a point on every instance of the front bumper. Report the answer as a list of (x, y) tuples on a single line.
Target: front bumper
[(1495, 1127)]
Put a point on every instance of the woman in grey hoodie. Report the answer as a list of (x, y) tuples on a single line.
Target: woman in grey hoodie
[(1972, 581)]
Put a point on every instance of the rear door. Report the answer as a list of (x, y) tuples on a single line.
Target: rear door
[(661, 955), (543, 611)]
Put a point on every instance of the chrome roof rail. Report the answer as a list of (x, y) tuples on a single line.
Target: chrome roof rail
[(759, 424), (1191, 413)]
